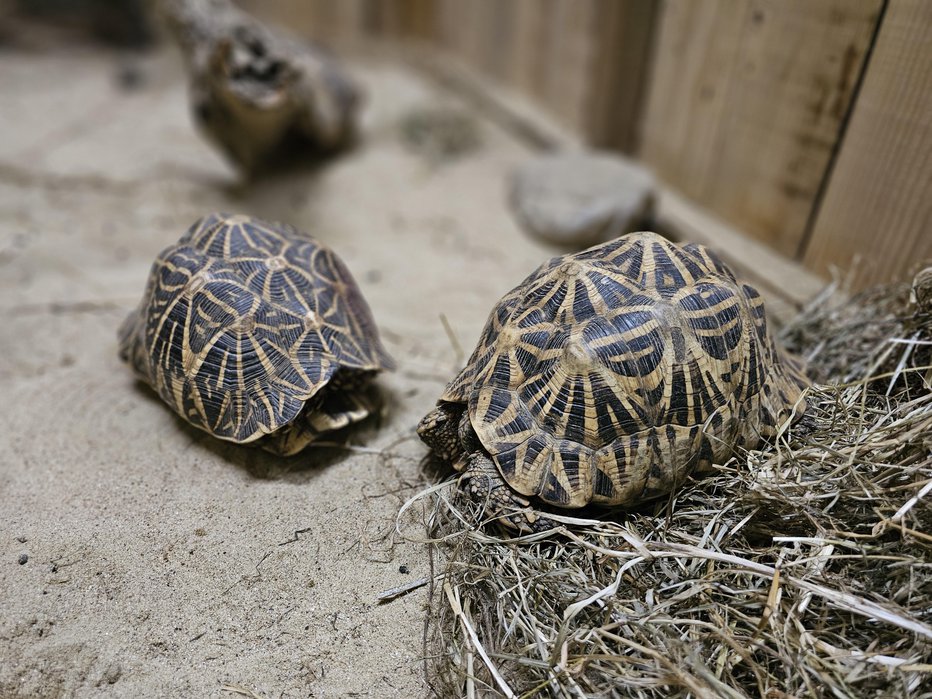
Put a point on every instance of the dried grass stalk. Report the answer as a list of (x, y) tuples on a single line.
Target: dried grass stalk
[(804, 569)]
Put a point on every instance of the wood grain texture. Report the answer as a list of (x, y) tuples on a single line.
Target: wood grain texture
[(404, 18), (567, 85), (747, 100), (331, 23), (583, 61), (619, 72), (538, 46), (526, 46), (697, 43), (878, 204)]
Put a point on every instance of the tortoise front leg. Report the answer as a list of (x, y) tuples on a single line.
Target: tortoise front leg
[(484, 485)]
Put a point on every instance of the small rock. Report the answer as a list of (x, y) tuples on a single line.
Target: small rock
[(23, 559), (578, 199), (112, 673), (403, 569)]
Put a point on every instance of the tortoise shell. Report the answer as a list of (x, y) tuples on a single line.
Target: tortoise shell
[(608, 375), (244, 322)]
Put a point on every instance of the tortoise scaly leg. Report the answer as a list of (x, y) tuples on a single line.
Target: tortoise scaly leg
[(485, 485)]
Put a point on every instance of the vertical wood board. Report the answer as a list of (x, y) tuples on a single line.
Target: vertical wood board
[(878, 204), (696, 45), (747, 101), (568, 79), (619, 65), (583, 61), (330, 23)]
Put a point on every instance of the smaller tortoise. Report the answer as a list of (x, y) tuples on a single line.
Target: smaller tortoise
[(608, 376), (256, 334)]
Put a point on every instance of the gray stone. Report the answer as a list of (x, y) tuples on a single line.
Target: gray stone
[(578, 199)]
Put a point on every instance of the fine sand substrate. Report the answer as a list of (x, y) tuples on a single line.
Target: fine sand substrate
[(139, 556)]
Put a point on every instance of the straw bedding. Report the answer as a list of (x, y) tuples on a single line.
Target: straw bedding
[(804, 569)]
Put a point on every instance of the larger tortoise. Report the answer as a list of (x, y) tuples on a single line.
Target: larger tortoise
[(609, 375), (255, 333)]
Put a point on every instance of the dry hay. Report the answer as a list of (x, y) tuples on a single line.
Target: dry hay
[(800, 570)]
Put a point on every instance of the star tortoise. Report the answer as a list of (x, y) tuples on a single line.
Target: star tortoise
[(255, 333), (607, 376)]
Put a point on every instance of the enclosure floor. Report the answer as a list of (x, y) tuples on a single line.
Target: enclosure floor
[(162, 562)]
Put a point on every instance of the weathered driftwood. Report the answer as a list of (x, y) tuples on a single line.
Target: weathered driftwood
[(259, 93)]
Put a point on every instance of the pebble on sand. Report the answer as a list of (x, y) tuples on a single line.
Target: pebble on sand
[(578, 199)]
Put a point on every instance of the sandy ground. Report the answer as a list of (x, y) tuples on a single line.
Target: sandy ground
[(162, 562)]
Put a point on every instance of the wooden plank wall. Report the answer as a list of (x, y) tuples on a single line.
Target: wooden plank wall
[(541, 47), (878, 203), (585, 61), (802, 123), (333, 23), (747, 101)]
